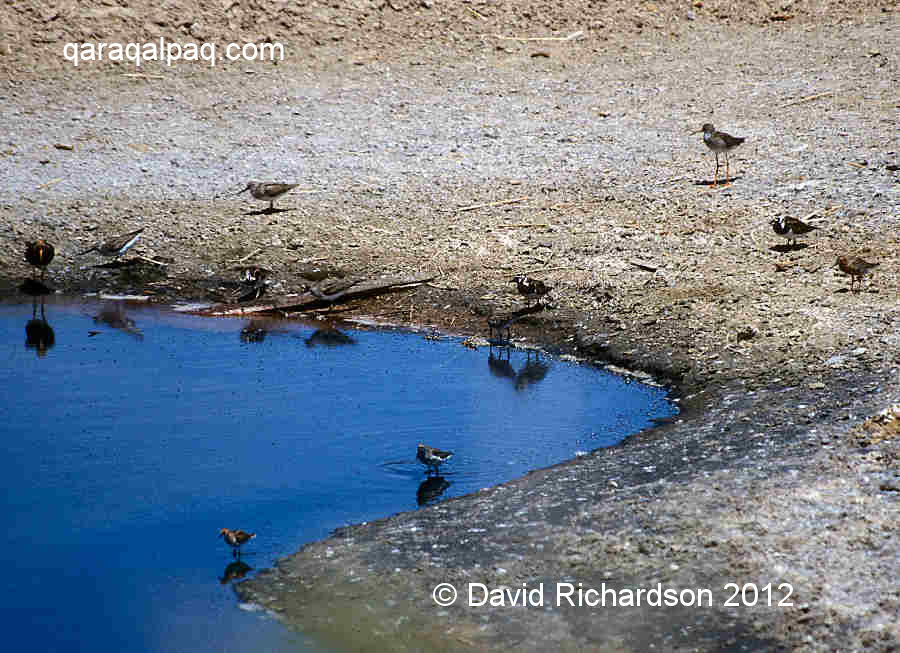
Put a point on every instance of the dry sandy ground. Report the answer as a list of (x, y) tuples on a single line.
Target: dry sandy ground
[(396, 119)]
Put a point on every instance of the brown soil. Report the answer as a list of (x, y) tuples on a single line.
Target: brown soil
[(396, 118)]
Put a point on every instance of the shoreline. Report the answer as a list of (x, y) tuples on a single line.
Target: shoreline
[(367, 586)]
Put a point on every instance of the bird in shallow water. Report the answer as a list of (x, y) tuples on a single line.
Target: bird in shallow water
[(431, 457), (115, 246), (235, 539), (856, 267), (530, 288), (719, 142), (39, 254), (790, 228), (267, 191)]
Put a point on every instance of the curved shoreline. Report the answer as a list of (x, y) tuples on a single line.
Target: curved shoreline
[(706, 501)]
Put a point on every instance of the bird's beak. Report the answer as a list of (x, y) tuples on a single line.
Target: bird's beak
[(245, 188)]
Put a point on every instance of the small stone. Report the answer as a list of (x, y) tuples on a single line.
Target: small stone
[(818, 385)]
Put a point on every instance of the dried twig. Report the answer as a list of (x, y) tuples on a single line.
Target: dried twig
[(143, 75), (50, 183), (649, 267), (573, 35), (150, 260), (249, 256), (481, 16), (489, 204), (524, 225), (808, 98)]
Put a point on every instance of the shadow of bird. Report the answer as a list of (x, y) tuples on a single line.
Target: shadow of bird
[(235, 571), (431, 489), (499, 366), (329, 337), (532, 372), (39, 334), (112, 315)]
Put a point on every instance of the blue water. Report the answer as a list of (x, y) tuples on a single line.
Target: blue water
[(133, 437)]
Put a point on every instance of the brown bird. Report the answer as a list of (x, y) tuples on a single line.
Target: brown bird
[(39, 254), (267, 191), (530, 288), (719, 142), (856, 268), (115, 246), (235, 539)]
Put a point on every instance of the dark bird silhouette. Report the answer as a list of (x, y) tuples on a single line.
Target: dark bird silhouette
[(719, 142), (39, 254), (329, 338), (39, 334), (112, 315), (254, 331), (235, 571), (532, 372), (499, 366), (430, 489)]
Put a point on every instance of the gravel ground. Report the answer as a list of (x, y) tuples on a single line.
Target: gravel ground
[(582, 153)]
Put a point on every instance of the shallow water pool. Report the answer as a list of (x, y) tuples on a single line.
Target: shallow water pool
[(131, 436)]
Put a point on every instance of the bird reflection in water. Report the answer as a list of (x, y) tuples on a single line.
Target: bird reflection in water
[(113, 315), (499, 366), (532, 372), (38, 333), (255, 331), (431, 489), (329, 337), (235, 571)]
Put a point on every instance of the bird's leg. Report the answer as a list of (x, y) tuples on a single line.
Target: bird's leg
[(716, 179), (727, 168)]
